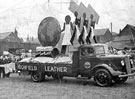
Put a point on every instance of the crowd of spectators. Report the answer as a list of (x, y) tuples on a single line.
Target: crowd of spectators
[(5, 59), (125, 51)]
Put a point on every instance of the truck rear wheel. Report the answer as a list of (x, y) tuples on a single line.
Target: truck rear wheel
[(37, 77), (120, 79), (102, 77)]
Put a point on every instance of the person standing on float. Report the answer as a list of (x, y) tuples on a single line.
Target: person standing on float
[(76, 33), (91, 37), (92, 25), (84, 29), (67, 29)]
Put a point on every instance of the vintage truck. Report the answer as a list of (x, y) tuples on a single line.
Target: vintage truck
[(95, 63)]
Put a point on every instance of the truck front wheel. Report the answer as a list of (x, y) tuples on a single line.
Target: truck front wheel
[(102, 77), (37, 77)]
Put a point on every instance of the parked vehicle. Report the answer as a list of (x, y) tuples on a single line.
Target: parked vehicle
[(6, 69), (92, 61), (6, 66)]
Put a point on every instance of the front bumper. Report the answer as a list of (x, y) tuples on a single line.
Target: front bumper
[(127, 75), (130, 74)]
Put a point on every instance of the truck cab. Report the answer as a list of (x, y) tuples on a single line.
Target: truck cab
[(96, 61)]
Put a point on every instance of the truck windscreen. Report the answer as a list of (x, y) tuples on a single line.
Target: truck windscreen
[(101, 50)]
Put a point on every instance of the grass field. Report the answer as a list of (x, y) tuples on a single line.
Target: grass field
[(22, 87)]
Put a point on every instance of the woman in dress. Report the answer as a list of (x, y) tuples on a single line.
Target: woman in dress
[(67, 29), (65, 37), (76, 33), (84, 32), (91, 37)]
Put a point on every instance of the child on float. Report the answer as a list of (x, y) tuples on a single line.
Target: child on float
[(76, 32), (92, 26), (91, 37), (64, 41), (84, 29), (67, 31)]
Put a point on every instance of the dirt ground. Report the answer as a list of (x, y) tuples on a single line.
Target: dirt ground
[(22, 87)]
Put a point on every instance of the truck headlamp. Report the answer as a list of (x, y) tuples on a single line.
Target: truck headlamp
[(122, 63)]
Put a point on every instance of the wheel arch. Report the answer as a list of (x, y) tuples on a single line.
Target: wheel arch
[(102, 66)]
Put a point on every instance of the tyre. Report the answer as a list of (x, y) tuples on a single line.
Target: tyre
[(37, 77), (120, 79), (2, 73), (102, 77)]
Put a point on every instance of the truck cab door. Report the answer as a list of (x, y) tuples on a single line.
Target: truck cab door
[(87, 60)]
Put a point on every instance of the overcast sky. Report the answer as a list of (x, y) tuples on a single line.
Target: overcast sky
[(26, 15)]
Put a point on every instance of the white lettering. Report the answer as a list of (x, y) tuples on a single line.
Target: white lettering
[(26, 67), (55, 69), (33, 68)]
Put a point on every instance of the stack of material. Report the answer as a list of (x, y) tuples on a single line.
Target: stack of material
[(62, 59), (42, 59), (59, 59), (27, 60)]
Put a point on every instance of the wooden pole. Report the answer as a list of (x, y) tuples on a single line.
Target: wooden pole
[(111, 27)]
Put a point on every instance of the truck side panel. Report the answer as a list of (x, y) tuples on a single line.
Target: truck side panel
[(23, 66), (61, 68), (47, 68)]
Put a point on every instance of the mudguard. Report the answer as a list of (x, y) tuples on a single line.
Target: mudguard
[(109, 68)]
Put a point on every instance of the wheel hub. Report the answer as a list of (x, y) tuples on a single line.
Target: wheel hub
[(102, 78)]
